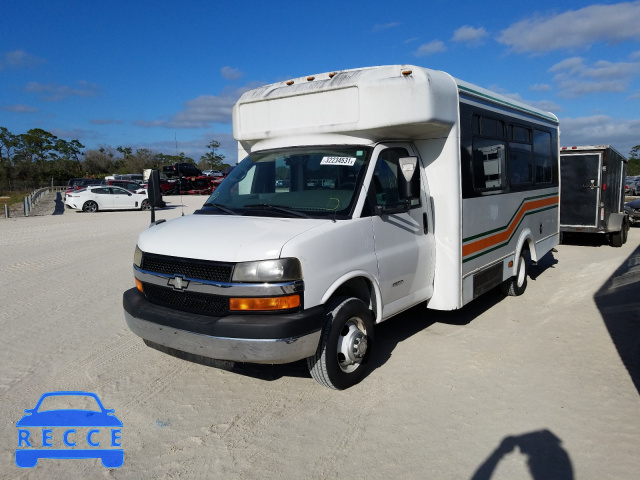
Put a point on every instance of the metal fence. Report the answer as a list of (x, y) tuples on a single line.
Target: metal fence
[(30, 201)]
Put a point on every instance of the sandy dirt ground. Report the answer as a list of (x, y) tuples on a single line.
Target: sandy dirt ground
[(546, 385)]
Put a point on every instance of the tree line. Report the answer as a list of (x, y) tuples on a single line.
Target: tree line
[(39, 158)]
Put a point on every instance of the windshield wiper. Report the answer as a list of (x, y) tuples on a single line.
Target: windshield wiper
[(221, 207), (279, 208)]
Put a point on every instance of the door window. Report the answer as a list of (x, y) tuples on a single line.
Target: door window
[(385, 181)]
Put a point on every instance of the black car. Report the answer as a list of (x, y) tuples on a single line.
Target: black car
[(182, 169), (632, 208)]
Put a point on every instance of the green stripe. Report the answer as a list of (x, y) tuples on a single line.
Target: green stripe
[(499, 229), (503, 102), (509, 239)]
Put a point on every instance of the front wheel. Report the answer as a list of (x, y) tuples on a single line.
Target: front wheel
[(517, 284), (345, 346), (145, 205), (90, 206)]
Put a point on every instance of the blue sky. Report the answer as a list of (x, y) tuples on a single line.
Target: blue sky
[(153, 74)]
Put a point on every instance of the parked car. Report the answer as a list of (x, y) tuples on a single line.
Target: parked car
[(126, 184), (632, 209), (632, 186), (185, 169), (212, 173), (78, 183), (104, 197)]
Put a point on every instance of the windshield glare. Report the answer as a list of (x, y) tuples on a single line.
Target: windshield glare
[(318, 181)]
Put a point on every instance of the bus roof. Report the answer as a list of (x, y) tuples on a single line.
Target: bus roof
[(403, 102)]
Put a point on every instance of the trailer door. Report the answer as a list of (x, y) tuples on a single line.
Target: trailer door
[(580, 189)]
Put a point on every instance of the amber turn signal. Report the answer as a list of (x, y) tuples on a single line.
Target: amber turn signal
[(139, 285), (264, 304)]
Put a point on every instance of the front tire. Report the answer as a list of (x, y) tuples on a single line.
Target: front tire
[(145, 205), (90, 207), (345, 346), (516, 285)]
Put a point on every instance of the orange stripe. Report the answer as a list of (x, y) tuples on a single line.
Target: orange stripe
[(487, 242)]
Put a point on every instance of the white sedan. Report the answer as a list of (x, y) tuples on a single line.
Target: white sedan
[(106, 197)]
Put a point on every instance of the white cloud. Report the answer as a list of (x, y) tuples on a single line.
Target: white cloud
[(19, 59), (202, 111), (546, 105), (106, 121), (430, 48), (385, 26), (469, 35), (540, 87), (20, 109), (600, 129), (54, 92), (231, 73), (575, 28), (574, 78)]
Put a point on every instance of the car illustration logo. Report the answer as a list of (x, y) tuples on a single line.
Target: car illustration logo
[(69, 433), (178, 282)]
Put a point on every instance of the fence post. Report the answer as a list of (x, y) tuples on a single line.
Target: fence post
[(26, 206)]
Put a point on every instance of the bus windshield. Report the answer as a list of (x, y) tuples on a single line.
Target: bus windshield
[(305, 182)]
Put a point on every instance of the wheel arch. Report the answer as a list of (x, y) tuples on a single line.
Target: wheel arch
[(525, 242), (358, 285)]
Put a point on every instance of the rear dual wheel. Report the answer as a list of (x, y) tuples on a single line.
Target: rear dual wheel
[(345, 346), (517, 284)]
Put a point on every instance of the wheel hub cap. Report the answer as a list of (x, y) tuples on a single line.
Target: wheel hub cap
[(352, 347)]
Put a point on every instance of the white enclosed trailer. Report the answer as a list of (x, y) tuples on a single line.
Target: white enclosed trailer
[(365, 192)]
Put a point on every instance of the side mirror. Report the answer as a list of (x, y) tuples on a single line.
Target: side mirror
[(409, 180), (153, 189), (154, 195)]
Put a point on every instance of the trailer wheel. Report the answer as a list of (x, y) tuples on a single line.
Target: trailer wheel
[(617, 238), (517, 284), (345, 346)]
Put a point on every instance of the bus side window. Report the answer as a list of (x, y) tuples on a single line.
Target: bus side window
[(488, 164)]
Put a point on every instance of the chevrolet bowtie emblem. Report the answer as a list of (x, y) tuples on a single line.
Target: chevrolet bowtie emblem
[(178, 283)]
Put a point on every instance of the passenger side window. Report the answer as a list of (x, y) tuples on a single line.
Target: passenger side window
[(542, 157), (520, 156), (488, 164), (489, 154)]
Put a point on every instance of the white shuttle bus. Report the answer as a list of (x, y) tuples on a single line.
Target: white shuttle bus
[(365, 192)]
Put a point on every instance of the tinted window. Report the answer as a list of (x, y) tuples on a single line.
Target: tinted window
[(520, 168), (492, 128), (542, 157), (488, 164)]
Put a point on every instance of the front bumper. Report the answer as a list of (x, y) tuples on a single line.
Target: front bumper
[(241, 338)]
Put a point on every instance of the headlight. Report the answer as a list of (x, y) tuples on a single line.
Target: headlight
[(280, 270), (137, 257)]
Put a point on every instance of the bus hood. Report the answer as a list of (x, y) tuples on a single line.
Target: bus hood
[(223, 238)]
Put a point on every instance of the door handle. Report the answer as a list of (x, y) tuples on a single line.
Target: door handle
[(592, 185), (425, 223)]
